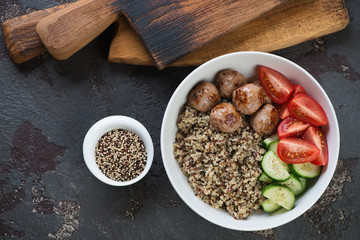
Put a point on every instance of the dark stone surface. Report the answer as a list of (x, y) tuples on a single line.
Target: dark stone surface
[(47, 106)]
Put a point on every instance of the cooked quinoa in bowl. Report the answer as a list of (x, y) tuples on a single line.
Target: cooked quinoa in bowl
[(181, 136), (222, 168)]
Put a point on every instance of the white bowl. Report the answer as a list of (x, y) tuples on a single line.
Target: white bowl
[(247, 63), (105, 125)]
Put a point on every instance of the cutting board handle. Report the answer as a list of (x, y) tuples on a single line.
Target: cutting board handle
[(21, 39), (67, 31)]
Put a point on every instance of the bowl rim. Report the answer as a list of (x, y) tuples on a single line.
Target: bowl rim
[(272, 224), (109, 123)]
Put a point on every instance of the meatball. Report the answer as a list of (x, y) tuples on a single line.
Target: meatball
[(265, 120), (248, 98), (267, 99), (225, 118), (227, 81), (204, 97)]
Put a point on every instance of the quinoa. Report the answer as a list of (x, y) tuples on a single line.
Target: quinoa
[(222, 168), (121, 155)]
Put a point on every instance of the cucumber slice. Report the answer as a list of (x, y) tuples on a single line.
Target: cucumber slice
[(269, 206), (281, 195), (265, 178), (294, 184), (303, 182), (306, 170), (274, 167), (269, 140), (273, 148)]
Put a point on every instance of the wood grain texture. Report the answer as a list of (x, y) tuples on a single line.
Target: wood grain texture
[(169, 29), (67, 31), (21, 39), (291, 23)]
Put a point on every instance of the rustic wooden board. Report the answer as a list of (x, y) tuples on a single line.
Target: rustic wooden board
[(21, 39), (169, 29), (291, 23)]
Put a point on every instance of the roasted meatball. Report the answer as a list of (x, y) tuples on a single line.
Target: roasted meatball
[(225, 118), (265, 120), (227, 81), (267, 99), (204, 97), (248, 98)]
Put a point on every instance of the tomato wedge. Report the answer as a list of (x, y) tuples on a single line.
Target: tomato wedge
[(308, 110), (316, 136), (295, 150), (284, 111), (291, 127), (298, 89), (276, 85)]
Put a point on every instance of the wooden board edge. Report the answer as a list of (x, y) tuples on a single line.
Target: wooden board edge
[(143, 58)]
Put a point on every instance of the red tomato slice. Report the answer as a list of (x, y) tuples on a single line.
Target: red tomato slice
[(298, 89), (295, 150), (276, 85), (291, 127), (308, 110), (316, 136), (284, 111)]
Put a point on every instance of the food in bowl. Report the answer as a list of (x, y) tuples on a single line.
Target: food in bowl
[(248, 64), (211, 159), (227, 81), (225, 118), (204, 97), (109, 124), (222, 155), (121, 155)]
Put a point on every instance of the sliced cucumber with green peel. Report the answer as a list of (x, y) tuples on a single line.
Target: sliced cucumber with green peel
[(269, 140), (306, 170), (281, 195), (294, 184), (265, 178), (273, 146), (274, 167), (303, 182), (269, 206)]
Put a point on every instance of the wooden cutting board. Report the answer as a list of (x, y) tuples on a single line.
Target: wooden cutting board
[(291, 23), (20, 37), (169, 29)]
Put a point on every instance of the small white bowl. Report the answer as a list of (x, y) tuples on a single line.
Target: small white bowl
[(105, 125), (247, 63)]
